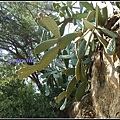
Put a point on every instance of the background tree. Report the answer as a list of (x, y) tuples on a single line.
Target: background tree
[(20, 33), (20, 100)]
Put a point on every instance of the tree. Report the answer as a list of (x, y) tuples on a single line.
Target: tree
[(84, 61), (20, 33), (19, 100), (96, 57)]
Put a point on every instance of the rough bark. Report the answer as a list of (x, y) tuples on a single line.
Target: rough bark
[(106, 88), (105, 85), (103, 101)]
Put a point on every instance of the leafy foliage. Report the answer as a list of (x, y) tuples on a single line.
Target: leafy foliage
[(18, 100)]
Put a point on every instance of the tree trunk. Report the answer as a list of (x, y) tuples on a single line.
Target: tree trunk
[(106, 88), (103, 101), (105, 85)]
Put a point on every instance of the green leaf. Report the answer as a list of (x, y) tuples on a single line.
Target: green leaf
[(87, 61), (101, 19), (90, 52), (58, 78), (84, 34), (101, 39), (111, 47), (51, 25), (70, 86), (65, 40), (57, 75), (25, 74), (80, 91), (87, 5), (77, 70), (26, 71), (60, 96), (64, 104), (62, 28), (88, 25), (45, 45), (70, 71), (108, 32), (80, 16), (81, 50), (47, 58), (82, 70), (74, 61), (105, 12), (93, 45), (41, 24), (91, 15), (97, 15)]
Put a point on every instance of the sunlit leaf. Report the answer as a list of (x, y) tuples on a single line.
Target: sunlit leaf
[(51, 25), (45, 45), (60, 96), (26, 71), (88, 25), (47, 58), (65, 40)]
